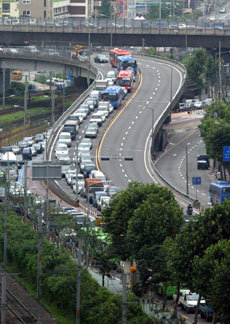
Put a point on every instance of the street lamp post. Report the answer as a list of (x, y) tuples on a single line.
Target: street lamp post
[(47, 178)]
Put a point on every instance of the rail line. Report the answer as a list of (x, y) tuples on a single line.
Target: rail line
[(18, 309)]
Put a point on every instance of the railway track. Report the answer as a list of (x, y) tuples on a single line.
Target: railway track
[(17, 310)]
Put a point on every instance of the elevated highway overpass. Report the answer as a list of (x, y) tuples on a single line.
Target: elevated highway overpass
[(118, 35)]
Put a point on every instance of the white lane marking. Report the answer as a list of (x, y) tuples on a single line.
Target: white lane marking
[(123, 138), (122, 144), (126, 133), (123, 170), (126, 176), (136, 117), (147, 102), (132, 122), (140, 112), (155, 89)]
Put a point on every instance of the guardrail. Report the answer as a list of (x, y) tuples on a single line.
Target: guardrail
[(71, 109)]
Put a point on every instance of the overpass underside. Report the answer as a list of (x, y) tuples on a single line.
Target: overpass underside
[(153, 37)]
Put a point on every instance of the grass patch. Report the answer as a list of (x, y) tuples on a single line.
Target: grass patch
[(31, 289), (19, 115)]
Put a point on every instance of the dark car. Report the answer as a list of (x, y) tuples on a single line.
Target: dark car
[(100, 58), (27, 153), (88, 168)]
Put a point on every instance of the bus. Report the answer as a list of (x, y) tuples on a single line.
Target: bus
[(114, 53), (126, 61), (125, 79), (219, 191), (113, 94)]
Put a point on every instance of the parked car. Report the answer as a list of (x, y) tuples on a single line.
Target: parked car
[(188, 302), (38, 147)]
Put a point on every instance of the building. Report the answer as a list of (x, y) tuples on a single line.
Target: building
[(35, 8), (72, 8), (131, 9), (9, 8)]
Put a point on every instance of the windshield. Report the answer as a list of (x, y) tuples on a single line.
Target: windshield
[(110, 96), (192, 297), (110, 75), (123, 82), (226, 190), (64, 137)]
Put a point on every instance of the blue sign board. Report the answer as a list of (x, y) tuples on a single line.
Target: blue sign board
[(196, 181), (121, 6), (226, 153)]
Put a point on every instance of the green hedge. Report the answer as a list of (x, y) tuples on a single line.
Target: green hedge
[(58, 282)]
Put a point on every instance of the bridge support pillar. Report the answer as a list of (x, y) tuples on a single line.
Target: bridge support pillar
[(7, 80)]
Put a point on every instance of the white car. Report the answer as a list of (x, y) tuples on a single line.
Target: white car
[(80, 183), (189, 301), (103, 110), (29, 140), (84, 146), (107, 105), (82, 112), (103, 202), (102, 114), (68, 176), (111, 76), (65, 137), (182, 294), (64, 158), (79, 116), (61, 148), (96, 118)]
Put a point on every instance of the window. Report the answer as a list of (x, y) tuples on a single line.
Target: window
[(44, 3), (26, 2), (44, 13), (26, 13), (5, 7)]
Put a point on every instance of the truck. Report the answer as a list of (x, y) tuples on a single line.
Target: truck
[(77, 48), (101, 85), (91, 186), (203, 162), (206, 312), (188, 302), (72, 129)]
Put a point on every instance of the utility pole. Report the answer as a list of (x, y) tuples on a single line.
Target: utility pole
[(47, 184), (25, 106), (78, 299), (52, 106), (25, 191), (63, 94), (88, 79), (186, 161), (76, 172), (160, 10), (124, 299), (171, 77), (3, 85), (6, 212), (219, 78), (39, 260), (3, 302)]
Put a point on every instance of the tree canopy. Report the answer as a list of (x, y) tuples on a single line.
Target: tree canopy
[(139, 220)]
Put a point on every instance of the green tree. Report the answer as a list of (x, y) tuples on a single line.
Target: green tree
[(196, 237), (154, 210), (196, 67), (213, 276), (153, 12), (211, 73), (105, 9)]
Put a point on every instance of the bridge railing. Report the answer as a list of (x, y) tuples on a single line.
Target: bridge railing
[(113, 25)]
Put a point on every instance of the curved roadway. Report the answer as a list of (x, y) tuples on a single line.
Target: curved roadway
[(131, 130)]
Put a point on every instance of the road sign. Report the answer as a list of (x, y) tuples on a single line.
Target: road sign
[(196, 181), (226, 153), (42, 172)]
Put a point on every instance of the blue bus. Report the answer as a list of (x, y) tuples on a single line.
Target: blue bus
[(113, 94), (126, 61), (219, 191)]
